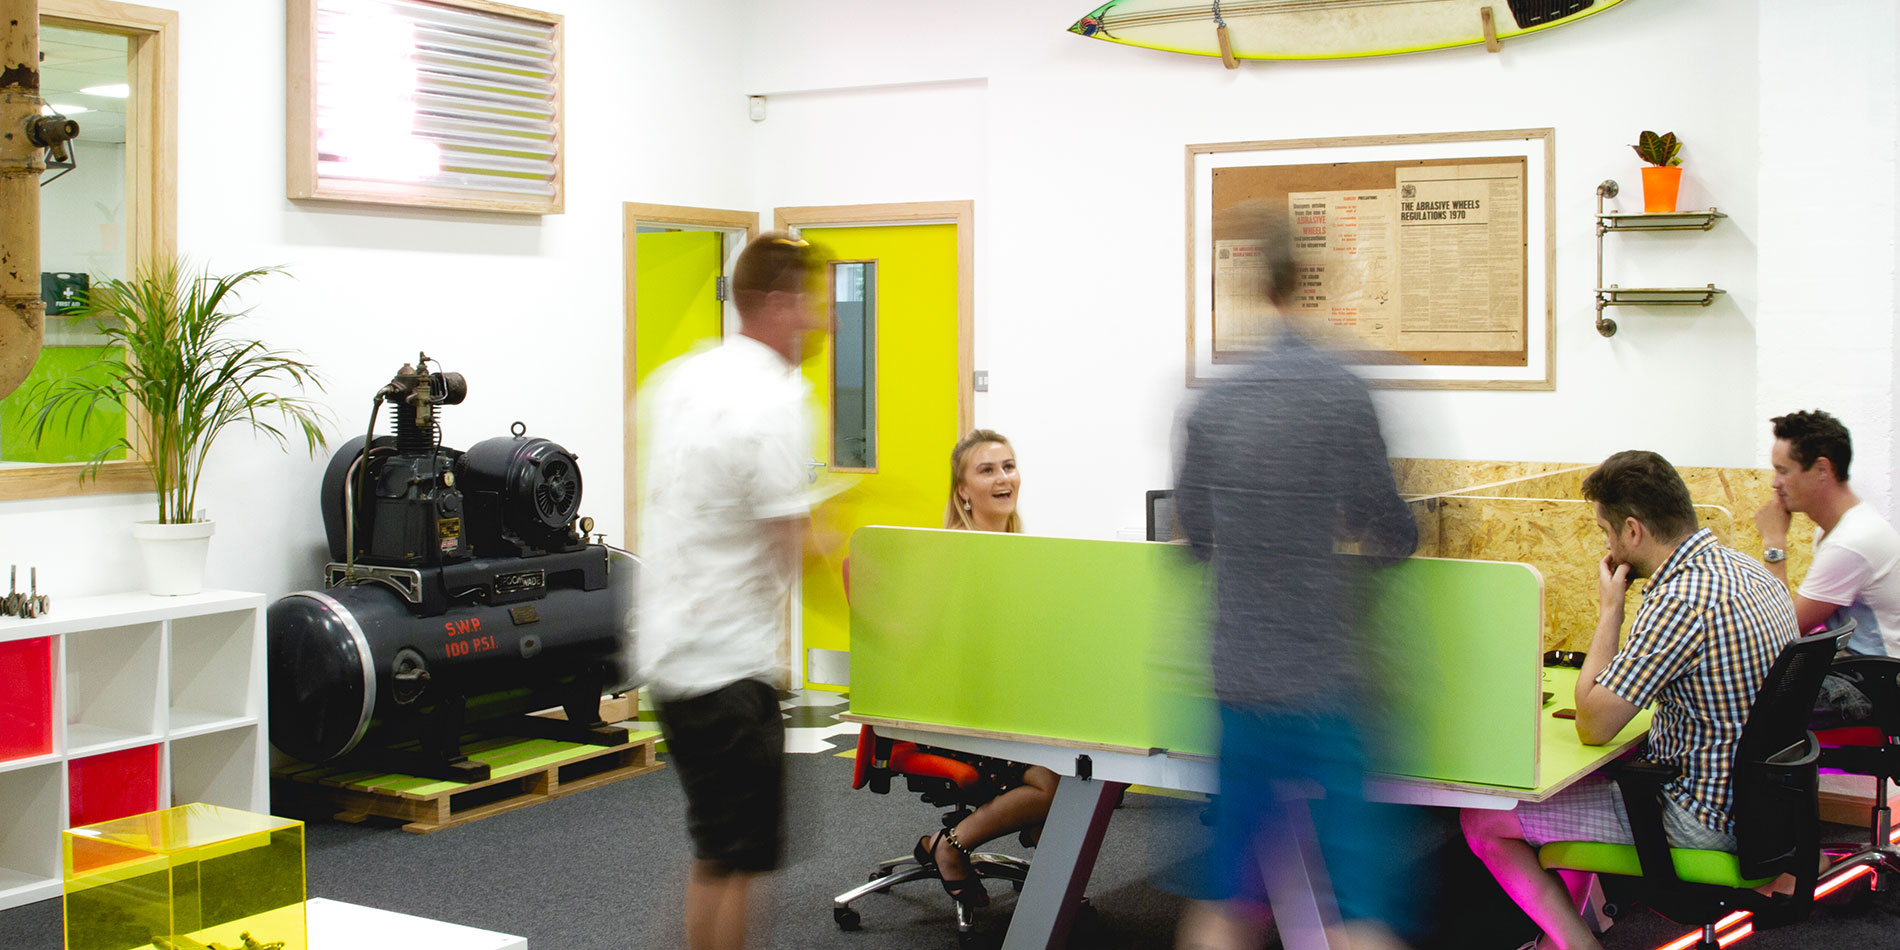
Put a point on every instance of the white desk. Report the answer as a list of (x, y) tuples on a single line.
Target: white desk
[(1301, 895), (334, 925)]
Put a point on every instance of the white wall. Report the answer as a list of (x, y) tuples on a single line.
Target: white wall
[(529, 309), (1081, 200), (1827, 258), (1073, 150)]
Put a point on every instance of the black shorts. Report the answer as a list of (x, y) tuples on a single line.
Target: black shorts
[(728, 747)]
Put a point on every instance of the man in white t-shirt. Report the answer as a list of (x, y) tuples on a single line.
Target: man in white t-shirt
[(1856, 567), (726, 438)]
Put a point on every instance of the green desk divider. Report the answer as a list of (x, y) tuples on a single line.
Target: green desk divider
[(1104, 642)]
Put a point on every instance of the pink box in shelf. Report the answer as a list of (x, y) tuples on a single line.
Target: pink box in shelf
[(114, 785), (26, 704)]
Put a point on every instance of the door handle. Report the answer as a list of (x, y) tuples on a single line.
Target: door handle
[(812, 468)]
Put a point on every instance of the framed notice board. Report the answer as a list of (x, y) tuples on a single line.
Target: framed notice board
[(1426, 259)]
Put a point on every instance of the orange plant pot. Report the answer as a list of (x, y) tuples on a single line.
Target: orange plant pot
[(1660, 185)]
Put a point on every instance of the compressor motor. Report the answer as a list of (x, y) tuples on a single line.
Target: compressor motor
[(462, 590)]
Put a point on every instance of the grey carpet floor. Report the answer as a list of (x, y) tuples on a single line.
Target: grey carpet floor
[(605, 870)]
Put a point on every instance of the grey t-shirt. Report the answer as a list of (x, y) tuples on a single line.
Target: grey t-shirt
[(1280, 464)]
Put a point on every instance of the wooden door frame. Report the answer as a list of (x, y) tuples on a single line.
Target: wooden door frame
[(632, 215), (960, 213)]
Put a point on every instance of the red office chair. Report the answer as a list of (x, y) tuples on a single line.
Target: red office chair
[(942, 781)]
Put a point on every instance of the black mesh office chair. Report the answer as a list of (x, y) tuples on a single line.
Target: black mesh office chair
[(1777, 823), (1870, 747)]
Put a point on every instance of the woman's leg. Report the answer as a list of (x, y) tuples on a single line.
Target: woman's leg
[(1021, 807)]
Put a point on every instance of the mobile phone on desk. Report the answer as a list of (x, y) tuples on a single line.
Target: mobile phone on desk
[(1565, 714)]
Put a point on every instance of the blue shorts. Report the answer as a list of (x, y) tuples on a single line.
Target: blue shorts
[(1268, 755)]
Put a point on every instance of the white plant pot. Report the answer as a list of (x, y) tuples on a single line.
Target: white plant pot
[(174, 555)]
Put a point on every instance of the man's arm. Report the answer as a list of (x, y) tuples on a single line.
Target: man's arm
[(1601, 714), (1374, 515), (1193, 498), (1840, 573)]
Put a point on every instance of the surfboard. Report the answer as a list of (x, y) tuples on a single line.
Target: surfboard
[(1324, 29)]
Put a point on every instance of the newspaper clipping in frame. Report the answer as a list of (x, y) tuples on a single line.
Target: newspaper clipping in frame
[(1345, 246), (1242, 311), (1433, 264), (1461, 258)]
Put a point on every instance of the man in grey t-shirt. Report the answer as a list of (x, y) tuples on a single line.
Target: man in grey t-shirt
[(1281, 464)]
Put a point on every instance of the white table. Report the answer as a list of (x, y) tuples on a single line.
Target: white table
[(1092, 775), (335, 925)]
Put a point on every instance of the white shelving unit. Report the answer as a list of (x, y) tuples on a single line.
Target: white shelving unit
[(182, 674)]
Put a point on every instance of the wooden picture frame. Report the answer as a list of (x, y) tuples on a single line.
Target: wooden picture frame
[(1428, 259), (476, 153)]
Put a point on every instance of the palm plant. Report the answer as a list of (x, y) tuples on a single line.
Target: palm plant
[(167, 356)]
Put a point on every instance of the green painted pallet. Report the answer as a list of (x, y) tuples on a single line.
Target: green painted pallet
[(522, 772)]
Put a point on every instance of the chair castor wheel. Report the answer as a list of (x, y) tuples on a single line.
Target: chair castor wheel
[(846, 918), (972, 940), (880, 874)]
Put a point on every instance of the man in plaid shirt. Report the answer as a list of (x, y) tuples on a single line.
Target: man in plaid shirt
[(1709, 626)]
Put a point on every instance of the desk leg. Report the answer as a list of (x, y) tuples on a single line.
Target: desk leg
[(1295, 876), (1065, 858)]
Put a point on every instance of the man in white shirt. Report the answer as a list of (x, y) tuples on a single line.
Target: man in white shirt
[(720, 534), (1855, 560)]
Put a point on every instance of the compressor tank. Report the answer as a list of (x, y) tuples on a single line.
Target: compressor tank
[(354, 668)]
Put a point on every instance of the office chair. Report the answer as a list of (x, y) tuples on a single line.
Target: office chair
[(1777, 822), (941, 781), (1869, 748)]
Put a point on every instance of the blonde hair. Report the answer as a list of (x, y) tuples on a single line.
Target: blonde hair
[(955, 516)]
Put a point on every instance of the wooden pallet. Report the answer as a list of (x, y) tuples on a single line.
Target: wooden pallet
[(522, 772)]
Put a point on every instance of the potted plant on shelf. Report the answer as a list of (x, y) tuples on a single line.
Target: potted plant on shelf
[(1662, 179), (170, 362)]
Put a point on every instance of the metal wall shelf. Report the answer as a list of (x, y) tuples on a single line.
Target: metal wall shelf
[(1613, 296)]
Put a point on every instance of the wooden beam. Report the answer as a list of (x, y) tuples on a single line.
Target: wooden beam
[(22, 313)]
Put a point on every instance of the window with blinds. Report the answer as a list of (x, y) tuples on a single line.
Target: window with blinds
[(443, 103)]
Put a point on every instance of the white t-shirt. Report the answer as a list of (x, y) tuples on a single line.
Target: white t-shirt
[(724, 445), (1855, 570)]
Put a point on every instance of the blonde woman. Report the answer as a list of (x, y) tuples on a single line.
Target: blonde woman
[(984, 485)]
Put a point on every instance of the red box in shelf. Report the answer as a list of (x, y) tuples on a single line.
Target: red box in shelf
[(26, 704), (114, 785)]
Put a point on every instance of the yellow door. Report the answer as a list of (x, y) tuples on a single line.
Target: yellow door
[(676, 308), (888, 393)]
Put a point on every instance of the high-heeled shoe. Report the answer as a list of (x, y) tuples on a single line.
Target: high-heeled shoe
[(967, 891)]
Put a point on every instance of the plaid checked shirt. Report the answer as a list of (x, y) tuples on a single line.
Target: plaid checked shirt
[(1710, 625)]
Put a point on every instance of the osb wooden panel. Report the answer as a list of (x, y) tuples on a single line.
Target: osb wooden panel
[(1425, 512), (1559, 537), (1420, 477), (1563, 484), (1567, 548), (1741, 491)]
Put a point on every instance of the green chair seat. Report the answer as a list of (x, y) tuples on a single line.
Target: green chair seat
[(1696, 867)]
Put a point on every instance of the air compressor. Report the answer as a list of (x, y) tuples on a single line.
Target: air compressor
[(462, 594)]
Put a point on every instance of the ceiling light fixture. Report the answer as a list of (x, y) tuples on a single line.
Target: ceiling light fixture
[(60, 108), (117, 90)]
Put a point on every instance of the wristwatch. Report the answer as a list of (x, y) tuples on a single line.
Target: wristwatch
[(1774, 555)]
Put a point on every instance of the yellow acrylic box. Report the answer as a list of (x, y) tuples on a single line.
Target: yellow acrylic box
[(186, 878)]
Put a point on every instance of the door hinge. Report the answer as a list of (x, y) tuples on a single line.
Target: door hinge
[(719, 289)]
